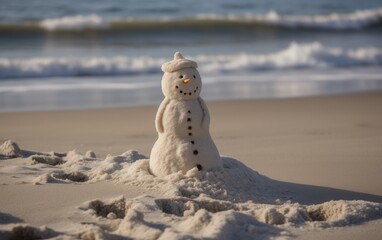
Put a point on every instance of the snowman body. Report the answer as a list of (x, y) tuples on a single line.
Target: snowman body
[(182, 123)]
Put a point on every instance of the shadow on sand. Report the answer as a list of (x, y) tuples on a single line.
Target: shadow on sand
[(6, 218), (309, 194)]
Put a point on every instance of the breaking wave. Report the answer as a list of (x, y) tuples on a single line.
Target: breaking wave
[(74, 23), (295, 56), (356, 20), (336, 21)]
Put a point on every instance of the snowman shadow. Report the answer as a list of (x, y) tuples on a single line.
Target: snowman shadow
[(311, 194), (275, 190)]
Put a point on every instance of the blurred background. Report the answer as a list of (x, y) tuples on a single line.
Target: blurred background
[(66, 54)]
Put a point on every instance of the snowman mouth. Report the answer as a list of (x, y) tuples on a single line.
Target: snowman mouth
[(183, 92)]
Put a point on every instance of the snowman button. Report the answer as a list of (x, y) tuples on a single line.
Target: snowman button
[(196, 152), (199, 167)]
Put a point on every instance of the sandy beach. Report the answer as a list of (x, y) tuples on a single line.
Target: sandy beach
[(317, 149), (223, 120)]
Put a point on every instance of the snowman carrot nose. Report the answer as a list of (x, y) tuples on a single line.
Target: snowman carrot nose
[(185, 81)]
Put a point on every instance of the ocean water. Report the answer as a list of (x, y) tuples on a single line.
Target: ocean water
[(64, 54)]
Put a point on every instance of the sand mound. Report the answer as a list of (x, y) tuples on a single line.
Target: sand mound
[(233, 202), (10, 149)]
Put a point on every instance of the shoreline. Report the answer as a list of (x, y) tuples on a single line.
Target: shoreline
[(81, 93), (211, 101)]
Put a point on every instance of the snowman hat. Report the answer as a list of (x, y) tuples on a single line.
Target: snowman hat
[(178, 63)]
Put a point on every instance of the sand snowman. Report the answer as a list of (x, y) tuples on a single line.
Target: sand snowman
[(182, 122)]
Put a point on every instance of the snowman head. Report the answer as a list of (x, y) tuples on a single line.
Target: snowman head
[(181, 80)]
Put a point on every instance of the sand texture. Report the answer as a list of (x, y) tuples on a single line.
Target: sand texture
[(304, 168)]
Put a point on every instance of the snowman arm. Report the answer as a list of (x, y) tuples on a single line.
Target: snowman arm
[(206, 114), (159, 116)]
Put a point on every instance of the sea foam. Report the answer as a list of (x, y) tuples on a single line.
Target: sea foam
[(78, 22), (295, 56), (335, 21)]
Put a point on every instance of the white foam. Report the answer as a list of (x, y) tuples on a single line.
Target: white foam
[(335, 21), (78, 22), (295, 56), (312, 55), (71, 66)]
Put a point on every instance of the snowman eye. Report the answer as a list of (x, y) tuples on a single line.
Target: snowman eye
[(194, 76), (181, 76)]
